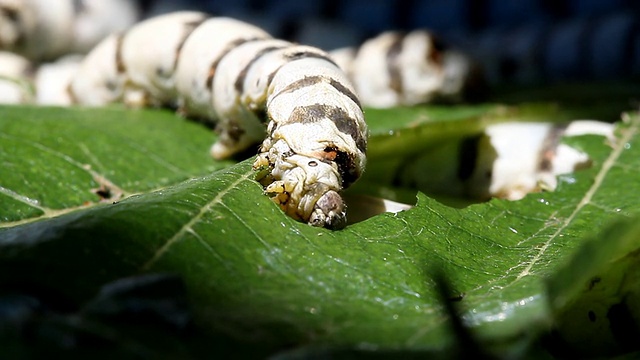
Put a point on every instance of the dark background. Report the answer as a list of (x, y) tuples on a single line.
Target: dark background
[(518, 42)]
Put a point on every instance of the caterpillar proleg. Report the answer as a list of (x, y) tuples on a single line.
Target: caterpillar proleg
[(236, 75)]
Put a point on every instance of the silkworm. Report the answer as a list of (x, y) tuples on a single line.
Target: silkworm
[(44, 30), (15, 72), (51, 80), (236, 75), (403, 69), (508, 160)]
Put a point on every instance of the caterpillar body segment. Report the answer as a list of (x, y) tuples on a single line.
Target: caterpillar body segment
[(95, 19), (52, 79), (317, 140), (240, 108), (100, 80), (462, 78), (404, 69), (317, 112), (14, 65), (200, 56), (148, 54), (15, 72), (22, 82), (35, 30), (399, 60), (136, 67), (254, 88), (44, 29)]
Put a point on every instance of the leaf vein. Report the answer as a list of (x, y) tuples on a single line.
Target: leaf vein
[(97, 177), (209, 248), (24, 199), (188, 227), (618, 148), (244, 223)]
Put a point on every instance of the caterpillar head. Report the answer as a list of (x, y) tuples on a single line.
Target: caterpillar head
[(329, 211), (306, 188)]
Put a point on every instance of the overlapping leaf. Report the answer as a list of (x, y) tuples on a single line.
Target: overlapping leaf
[(253, 272)]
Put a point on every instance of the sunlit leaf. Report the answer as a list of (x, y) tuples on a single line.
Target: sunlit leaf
[(252, 272)]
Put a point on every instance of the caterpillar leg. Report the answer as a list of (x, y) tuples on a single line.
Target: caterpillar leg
[(237, 135)]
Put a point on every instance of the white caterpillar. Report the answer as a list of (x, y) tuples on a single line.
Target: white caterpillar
[(22, 82), (234, 73), (46, 29), (404, 69), (508, 160), (15, 86)]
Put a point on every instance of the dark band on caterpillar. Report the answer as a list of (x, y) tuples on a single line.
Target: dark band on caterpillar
[(78, 7), (120, 66), (298, 55), (272, 75), (11, 13), (14, 16), (347, 168), (312, 80), (344, 123), (72, 96), (230, 47), (549, 147), (309, 54), (239, 84), (189, 27), (345, 91), (437, 49), (393, 67)]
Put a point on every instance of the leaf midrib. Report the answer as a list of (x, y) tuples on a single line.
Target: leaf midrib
[(611, 160)]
